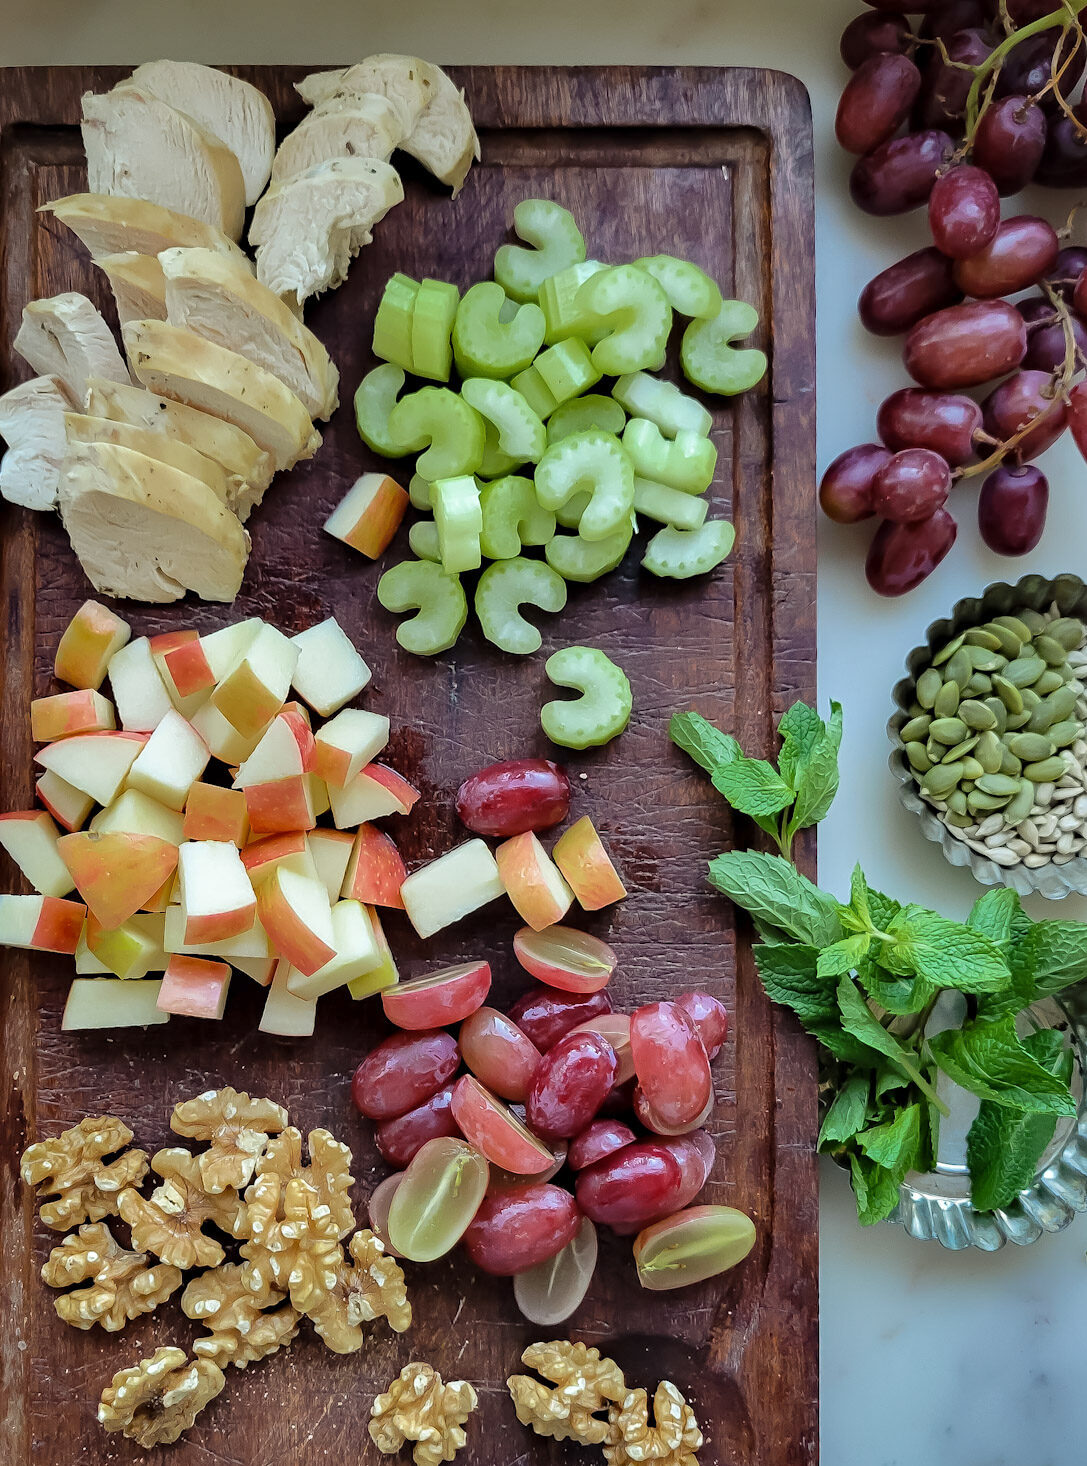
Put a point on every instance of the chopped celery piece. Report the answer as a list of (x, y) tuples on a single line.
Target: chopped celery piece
[(603, 709), (533, 389), (485, 344), (512, 517), (685, 462), (562, 318), (583, 413), (423, 539), (375, 400), (585, 560), (392, 323), (419, 493), (431, 325), (677, 554), (505, 587), (670, 506), (636, 311), (662, 403), (569, 514), (690, 291), (495, 463), (567, 370), (521, 434), (445, 425), (424, 586), (709, 359), (592, 462), (558, 243), (459, 520)]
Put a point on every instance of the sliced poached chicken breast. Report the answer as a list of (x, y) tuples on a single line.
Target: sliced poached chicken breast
[(404, 80), (32, 424), (138, 285), (65, 336), (365, 126), (112, 224), (80, 428)]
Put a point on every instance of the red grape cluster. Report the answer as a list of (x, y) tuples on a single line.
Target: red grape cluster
[(967, 106)]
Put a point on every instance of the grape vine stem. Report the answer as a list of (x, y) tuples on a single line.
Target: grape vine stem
[(1065, 16)]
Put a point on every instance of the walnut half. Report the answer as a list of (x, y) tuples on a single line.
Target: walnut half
[(370, 1287), (73, 1168), (584, 1385), (159, 1398), (245, 1326), (122, 1284), (418, 1407), (171, 1223), (672, 1441), (237, 1128)]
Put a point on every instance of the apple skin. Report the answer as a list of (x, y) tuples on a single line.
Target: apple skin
[(369, 515), (68, 805), (532, 881), (87, 644), (375, 871), (285, 750), (439, 1000), (41, 923), (215, 813), (187, 667), (193, 987), (100, 761), (217, 897), (53, 718), (262, 857), (347, 743), (579, 853), (404, 793), (287, 928), (117, 872), (281, 805)]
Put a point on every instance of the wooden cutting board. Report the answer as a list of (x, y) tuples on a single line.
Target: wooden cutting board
[(712, 164)]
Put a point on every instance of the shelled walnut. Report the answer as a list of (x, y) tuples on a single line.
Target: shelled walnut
[(123, 1284), (584, 1385), (295, 1241), (245, 1326), (370, 1287), (170, 1224), (73, 1168), (237, 1128), (419, 1407), (672, 1441), (328, 1171), (156, 1400)]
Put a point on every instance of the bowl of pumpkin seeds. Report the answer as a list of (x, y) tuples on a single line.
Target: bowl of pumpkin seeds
[(989, 735)]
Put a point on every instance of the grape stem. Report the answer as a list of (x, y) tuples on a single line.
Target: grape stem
[(1065, 16)]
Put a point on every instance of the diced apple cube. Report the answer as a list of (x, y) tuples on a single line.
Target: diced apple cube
[(170, 762), (371, 795), (68, 713), (347, 743), (285, 750), (96, 763), (249, 944), (533, 881), (297, 915), (318, 794), (330, 671), (136, 813), (451, 887), (138, 690), (41, 923), (284, 1013), (30, 838), (109, 1002), (375, 871), (217, 898), (282, 805), (357, 954), (579, 853), (86, 963), (184, 667), (90, 639), (331, 851), (224, 740), (116, 873), (290, 849), (128, 951), (385, 974), (225, 647), (215, 813), (160, 899), (193, 987), (68, 805), (260, 969), (369, 514), (256, 686)]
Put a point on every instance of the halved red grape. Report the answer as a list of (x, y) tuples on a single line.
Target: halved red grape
[(545, 1014), (670, 1062), (899, 174), (1019, 254), (377, 1209), (963, 211), (709, 1016), (439, 999), (653, 1122), (901, 556), (942, 421), (495, 1131), (1026, 397), (520, 1228), (498, 1053), (565, 958), (437, 1197), (510, 798), (554, 1289), (691, 1246), (845, 494), (907, 291), (400, 1140), (570, 1085), (601, 1138), (402, 1071), (636, 1185), (876, 101), (912, 486), (615, 1029), (1077, 416), (945, 85), (1009, 142), (871, 35), (1012, 508), (706, 1146), (502, 1180), (966, 345)]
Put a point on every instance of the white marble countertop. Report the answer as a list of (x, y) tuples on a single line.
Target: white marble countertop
[(954, 1360)]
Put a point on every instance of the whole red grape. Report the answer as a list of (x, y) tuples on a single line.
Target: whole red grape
[(632, 1187), (953, 16), (1022, 399), (400, 1139), (963, 212), (1012, 508), (601, 1138), (519, 1227), (512, 797), (1047, 346), (1064, 159), (876, 101), (1022, 12), (966, 345), (904, 7), (402, 1072), (946, 84), (710, 1018), (872, 35), (572, 1081), (942, 421), (545, 1014), (846, 491), (1009, 142), (903, 555), (1077, 416), (912, 486), (1020, 253), (898, 175), (1068, 270), (907, 291), (1028, 67)]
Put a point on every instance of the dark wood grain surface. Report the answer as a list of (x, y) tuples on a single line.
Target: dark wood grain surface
[(711, 164)]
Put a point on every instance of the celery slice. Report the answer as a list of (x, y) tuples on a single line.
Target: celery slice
[(677, 554), (495, 463), (375, 402), (569, 514), (603, 709), (423, 540), (431, 324), (636, 311), (459, 520), (670, 506), (709, 359), (566, 369), (440, 421), (505, 587), (521, 433), (487, 345), (392, 323), (558, 301), (419, 493), (558, 243), (583, 413), (685, 462), (592, 462), (423, 586), (690, 291), (662, 403), (586, 560), (535, 392), (512, 518)]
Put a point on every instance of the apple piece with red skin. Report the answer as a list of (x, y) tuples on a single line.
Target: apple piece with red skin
[(369, 514), (215, 813), (331, 851), (30, 839), (217, 897), (68, 805), (96, 763), (580, 855), (533, 881), (347, 743), (185, 667), (375, 871), (495, 1131), (281, 806), (439, 1000), (256, 687), (87, 643), (451, 887), (260, 969), (193, 987), (330, 670), (374, 793), (565, 958), (285, 750), (41, 923), (67, 713), (385, 974), (170, 762), (116, 873), (289, 849), (357, 954), (137, 813), (138, 689), (297, 915), (252, 943)]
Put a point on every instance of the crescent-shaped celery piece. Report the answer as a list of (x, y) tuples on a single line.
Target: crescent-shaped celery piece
[(690, 291), (423, 540), (495, 463), (569, 515), (423, 586), (583, 413), (678, 554), (512, 518), (662, 403), (492, 335), (603, 709), (586, 560), (521, 433), (636, 312), (419, 492), (392, 322), (558, 243), (505, 587), (558, 374), (685, 462), (558, 301), (592, 462), (459, 520), (668, 505), (375, 402), (440, 421), (710, 360), (431, 327)]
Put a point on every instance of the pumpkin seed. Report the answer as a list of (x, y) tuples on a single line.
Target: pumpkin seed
[(957, 802), (1008, 693), (961, 749), (966, 785), (948, 731), (989, 752), (914, 710), (1050, 650), (1046, 771), (960, 668), (976, 715), (1010, 643), (984, 660), (928, 685), (1064, 733), (1068, 631), (916, 729), (1009, 764), (1031, 747), (941, 779), (1015, 626), (999, 712), (947, 652), (1048, 682), (998, 784), (1033, 620), (978, 801), (979, 685), (1018, 720), (918, 758), (982, 636), (971, 769), (947, 700), (935, 750), (1020, 805), (959, 821), (1062, 703), (1023, 672)]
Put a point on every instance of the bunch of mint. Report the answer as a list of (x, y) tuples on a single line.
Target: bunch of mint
[(863, 979)]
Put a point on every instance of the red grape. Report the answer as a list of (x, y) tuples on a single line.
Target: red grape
[(498, 1053), (495, 1130), (399, 1140), (907, 291), (631, 1188), (1019, 254), (902, 555), (914, 418), (601, 1138), (518, 1228), (876, 101), (1047, 346), (963, 212), (871, 35), (692, 1162), (545, 1014), (402, 1072), (1009, 142), (1027, 68), (510, 798), (904, 7), (706, 1146), (565, 958), (440, 999), (615, 1028), (1068, 270), (1064, 160), (572, 1082), (709, 1017), (670, 1062), (946, 84), (953, 16), (846, 491), (648, 1116), (1022, 12), (899, 174), (621, 1100), (1077, 416), (1012, 508), (1020, 400), (966, 345), (377, 1209), (912, 486)]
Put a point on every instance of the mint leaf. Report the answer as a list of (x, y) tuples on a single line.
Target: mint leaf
[(857, 1019), (843, 956), (847, 1112), (1004, 1146), (899, 995), (770, 935), (888, 1078), (790, 976), (843, 1046), (858, 898), (897, 1144), (945, 953), (772, 889), (1056, 953), (988, 1059), (752, 786), (992, 916), (801, 730), (876, 1190), (707, 745), (817, 784)]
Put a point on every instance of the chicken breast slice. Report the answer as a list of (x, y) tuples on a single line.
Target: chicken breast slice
[(444, 139), (65, 336), (404, 80), (229, 108), (145, 530), (140, 146), (207, 294), (176, 363), (110, 225), (367, 128), (138, 285), (308, 230), (32, 424), (81, 428)]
